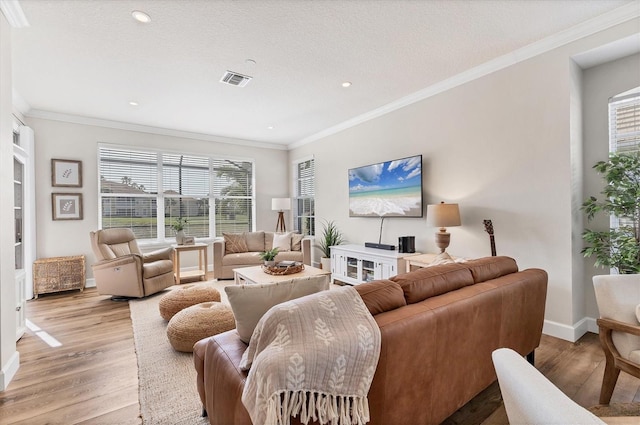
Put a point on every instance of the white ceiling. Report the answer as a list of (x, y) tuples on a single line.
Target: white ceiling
[(90, 58)]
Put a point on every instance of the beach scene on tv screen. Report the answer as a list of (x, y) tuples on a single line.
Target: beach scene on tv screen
[(387, 189)]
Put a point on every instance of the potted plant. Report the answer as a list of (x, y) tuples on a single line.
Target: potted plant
[(617, 247), (331, 236), (269, 257), (178, 225)]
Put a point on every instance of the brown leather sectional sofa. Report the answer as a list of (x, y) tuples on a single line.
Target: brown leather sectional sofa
[(439, 326)]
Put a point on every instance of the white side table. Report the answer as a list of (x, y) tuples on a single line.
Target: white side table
[(422, 260)]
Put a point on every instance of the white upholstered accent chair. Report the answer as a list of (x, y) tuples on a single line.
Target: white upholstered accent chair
[(123, 270), (531, 399), (618, 297)]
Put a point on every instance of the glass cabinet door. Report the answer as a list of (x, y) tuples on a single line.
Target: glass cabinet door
[(23, 220), (368, 271), (352, 267), (17, 206)]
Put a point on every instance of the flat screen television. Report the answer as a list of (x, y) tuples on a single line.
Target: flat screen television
[(387, 189)]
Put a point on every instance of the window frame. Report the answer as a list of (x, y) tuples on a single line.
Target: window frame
[(627, 99), (296, 179), (161, 237), (623, 100)]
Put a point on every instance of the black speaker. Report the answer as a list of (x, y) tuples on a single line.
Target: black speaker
[(407, 244)]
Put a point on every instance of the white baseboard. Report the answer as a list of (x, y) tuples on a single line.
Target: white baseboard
[(570, 333), (9, 370)]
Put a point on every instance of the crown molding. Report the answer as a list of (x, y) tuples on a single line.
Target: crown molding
[(76, 119), (599, 23), (12, 10)]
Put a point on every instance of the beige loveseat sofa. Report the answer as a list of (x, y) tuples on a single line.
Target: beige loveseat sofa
[(243, 249)]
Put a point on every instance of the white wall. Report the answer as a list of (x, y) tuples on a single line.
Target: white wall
[(500, 146), (599, 84), (57, 139), (9, 358)]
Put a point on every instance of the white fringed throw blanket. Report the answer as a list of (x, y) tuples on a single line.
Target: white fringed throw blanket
[(315, 357)]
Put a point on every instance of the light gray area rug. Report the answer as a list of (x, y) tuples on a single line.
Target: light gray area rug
[(166, 378)]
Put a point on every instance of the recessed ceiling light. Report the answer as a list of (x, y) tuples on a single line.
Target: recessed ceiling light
[(346, 84), (132, 103), (270, 127), (140, 16), (250, 62)]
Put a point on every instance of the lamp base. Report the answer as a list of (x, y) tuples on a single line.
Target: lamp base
[(442, 239)]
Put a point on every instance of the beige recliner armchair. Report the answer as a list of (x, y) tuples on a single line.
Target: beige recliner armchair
[(123, 270), (531, 399), (618, 299)]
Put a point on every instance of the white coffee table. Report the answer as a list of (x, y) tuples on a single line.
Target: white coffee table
[(255, 274)]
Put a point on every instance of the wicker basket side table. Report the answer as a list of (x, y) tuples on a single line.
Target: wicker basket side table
[(58, 274)]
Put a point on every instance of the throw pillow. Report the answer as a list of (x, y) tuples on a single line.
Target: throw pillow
[(250, 302), (255, 241), (296, 242), (282, 242), (234, 243)]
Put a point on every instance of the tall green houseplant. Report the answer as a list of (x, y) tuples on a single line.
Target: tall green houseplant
[(330, 236), (618, 247)]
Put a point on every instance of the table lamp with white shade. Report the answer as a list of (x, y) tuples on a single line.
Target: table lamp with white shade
[(280, 205), (443, 215)]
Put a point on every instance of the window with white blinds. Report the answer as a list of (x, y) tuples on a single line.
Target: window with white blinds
[(233, 195), (304, 202), (189, 185), (624, 122), (624, 131)]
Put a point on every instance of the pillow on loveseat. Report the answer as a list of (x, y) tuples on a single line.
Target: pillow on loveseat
[(255, 241), (282, 241), (296, 242), (250, 302), (234, 243)]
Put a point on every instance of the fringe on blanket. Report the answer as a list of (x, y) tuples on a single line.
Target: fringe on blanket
[(316, 406)]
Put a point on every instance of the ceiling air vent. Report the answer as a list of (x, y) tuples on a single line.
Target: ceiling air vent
[(235, 79)]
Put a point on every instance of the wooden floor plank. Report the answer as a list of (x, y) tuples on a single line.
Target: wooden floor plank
[(93, 378)]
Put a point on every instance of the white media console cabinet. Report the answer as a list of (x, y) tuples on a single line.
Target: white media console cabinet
[(355, 264)]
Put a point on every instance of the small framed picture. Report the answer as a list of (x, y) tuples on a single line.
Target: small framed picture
[(66, 173), (67, 206)]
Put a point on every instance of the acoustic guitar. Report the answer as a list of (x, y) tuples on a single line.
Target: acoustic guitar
[(488, 227)]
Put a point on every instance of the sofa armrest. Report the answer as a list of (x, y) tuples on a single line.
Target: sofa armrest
[(306, 250), (615, 325), (218, 253), (160, 254), (607, 327)]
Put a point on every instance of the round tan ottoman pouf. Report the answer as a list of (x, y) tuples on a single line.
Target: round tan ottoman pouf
[(199, 321), (186, 296)]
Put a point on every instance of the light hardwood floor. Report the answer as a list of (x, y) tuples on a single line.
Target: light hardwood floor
[(92, 377)]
